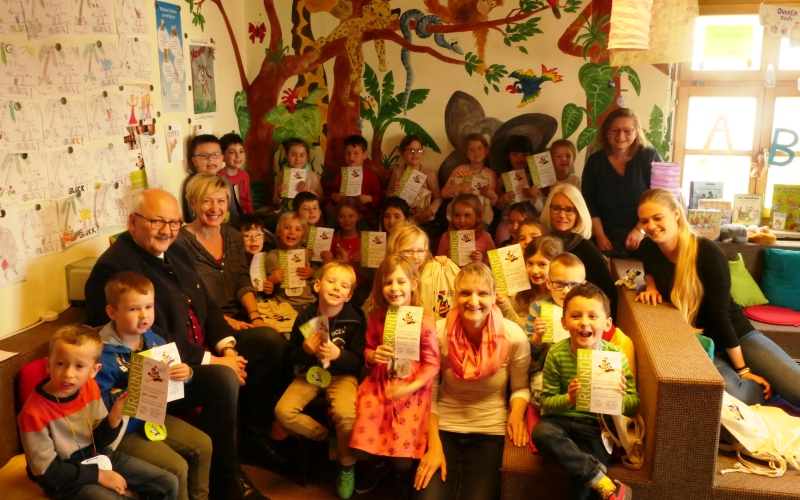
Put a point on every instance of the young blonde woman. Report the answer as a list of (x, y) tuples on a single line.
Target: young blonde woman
[(692, 272)]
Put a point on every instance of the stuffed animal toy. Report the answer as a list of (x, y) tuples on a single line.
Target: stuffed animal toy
[(761, 234), (629, 279), (733, 232)]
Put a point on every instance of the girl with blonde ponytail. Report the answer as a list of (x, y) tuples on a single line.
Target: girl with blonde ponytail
[(693, 272)]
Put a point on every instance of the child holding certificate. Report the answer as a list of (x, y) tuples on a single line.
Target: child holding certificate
[(428, 199), (327, 343), (287, 267), (287, 185), (537, 262), (395, 213), (564, 154), (466, 217), (394, 400), (370, 193), (475, 178), (570, 437), (187, 452), (346, 245)]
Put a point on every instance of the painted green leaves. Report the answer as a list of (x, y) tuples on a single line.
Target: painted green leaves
[(304, 123)]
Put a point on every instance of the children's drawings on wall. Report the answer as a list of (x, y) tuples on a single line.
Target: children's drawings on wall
[(12, 18), (18, 69), (60, 69), (20, 125), (135, 57), (175, 145), (106, 115), (152, 154), (100, 64), (23, 178), (111, 163), (131, 16), (112, 203), (13, 268), (65, 121), (39, 226), (46, 18), (138, 104), (204, 94), (69, 171), (93, 17), (76, 220), (170, 57)]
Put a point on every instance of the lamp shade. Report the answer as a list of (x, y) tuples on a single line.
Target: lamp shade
[(630, 25)]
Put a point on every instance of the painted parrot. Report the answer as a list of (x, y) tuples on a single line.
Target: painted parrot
[(530, 85), (554, 5)]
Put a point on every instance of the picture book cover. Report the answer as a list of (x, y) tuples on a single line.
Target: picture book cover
[(704, 190), (716, 204), (786, 199), (706, 222), (747, 209)]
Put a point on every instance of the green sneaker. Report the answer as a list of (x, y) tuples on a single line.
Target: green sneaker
[(346, 482)]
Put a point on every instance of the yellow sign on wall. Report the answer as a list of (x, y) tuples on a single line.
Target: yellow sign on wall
[(728, 42)]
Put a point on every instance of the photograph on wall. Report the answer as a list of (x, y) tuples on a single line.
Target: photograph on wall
[(170, 57), (204, 94)]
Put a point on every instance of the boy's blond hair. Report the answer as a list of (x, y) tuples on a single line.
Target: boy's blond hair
[(339, 265), (289, 217), (567, 260), (77, 334), (588, 291), (126, 282)]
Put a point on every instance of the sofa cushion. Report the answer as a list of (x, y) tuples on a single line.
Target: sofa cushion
[(29, 377), (773, 315), (15, 484), (744, 288), (780, 280)]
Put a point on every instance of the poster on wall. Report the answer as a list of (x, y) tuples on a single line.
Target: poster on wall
[(39, 223), (93, 17), (21, 125), (76, 220), (204, 93), (781, 21), (23, 178), (131, 16), (45, 18), (19, 70), (61, 69), (65, 121), (12, 19), (101, 66), (170, 57), (13, 268), (135, 56)]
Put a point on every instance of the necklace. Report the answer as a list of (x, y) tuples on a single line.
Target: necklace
[(88, 422)]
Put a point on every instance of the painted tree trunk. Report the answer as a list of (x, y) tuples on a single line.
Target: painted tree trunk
[(342, 121)]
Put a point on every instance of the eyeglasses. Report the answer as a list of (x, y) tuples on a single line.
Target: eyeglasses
[(252, 236), (415, 151), (414, 252), (208, 156), (554, 209), (159, 224), (626, 131), (560, 285)]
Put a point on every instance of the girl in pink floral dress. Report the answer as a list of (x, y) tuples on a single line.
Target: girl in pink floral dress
[(392, 415)]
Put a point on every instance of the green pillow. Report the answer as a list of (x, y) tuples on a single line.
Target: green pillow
[(780, 279), (744, 288)]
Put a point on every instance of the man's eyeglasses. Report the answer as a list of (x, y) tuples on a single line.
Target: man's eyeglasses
[(159, 224), (208, 156), (626, 131), (410, 253), (558, 208), (252, 236), (560, 285), (415, 151)]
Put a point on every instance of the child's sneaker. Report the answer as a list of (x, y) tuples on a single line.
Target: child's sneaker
[(345, 482), (622, 492)]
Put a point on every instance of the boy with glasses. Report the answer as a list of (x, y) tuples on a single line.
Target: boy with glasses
[(205, 156)]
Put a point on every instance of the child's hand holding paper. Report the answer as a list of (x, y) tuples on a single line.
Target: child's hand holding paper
[(382, 355), (572, 392), (311, 343), (180, 372), (115, 415)]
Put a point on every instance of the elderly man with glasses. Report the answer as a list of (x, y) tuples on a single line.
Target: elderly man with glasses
[(186, 315)]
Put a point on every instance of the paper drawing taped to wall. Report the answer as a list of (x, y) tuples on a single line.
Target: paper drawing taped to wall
[(101, 64), (131, 16), (76, 220), (112, 203), (204, 92), (65, 121), (93, 17), (60, 69), (13, 268), (20, 125), (105, 115), (170, 57), (12, 18), (111, 163), (69, 171), (135, 57), (18, 69), (39, 226), (45, 18), (23, 178)]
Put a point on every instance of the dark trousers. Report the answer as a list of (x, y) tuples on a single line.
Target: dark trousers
[(215, 389), (268, 374), (473, 468), (575, 444)]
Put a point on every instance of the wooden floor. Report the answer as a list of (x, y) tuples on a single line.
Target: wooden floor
[(278, 487)]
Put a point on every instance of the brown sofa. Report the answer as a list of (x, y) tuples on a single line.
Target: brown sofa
[(681, 402)]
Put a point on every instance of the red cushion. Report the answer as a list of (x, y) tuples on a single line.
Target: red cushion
[(773, 315), (29, 377)]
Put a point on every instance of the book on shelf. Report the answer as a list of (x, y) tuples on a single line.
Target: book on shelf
[(786, 200), (701, 190), (747, 209)]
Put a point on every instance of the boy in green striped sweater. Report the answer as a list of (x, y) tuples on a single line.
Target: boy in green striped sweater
[(572, 438)]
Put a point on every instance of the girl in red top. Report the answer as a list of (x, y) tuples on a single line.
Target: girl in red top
[(467, 215), (392, 415), (346, 245)]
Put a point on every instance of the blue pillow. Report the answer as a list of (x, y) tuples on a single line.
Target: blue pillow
[(780, 280)]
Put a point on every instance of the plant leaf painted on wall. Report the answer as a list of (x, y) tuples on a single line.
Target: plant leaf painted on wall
[(659, 138), (571, 118), (587, 137), (633, 78), (242, 114), (387, 88), (371, 84), (594, 79), (410, 127)]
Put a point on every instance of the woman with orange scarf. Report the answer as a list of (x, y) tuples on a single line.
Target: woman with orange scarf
[(470, 415)]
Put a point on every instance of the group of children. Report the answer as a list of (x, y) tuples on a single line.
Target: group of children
[(382, 422)]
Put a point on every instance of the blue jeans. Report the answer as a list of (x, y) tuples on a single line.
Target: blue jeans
[(575, 444), (143, 478), (766, 359), (473, 468)]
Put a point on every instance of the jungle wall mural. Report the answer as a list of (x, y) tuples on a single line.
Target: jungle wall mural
[(317, 78)]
